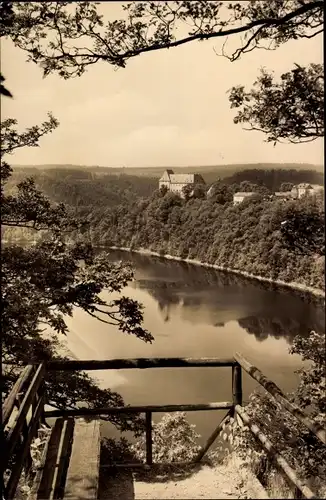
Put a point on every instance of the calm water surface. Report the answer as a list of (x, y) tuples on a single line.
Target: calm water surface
[(196, 312)]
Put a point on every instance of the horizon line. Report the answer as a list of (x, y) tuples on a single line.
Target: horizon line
[(162, 166)]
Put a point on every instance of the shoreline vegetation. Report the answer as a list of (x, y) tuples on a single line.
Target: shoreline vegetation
[(316, 292)]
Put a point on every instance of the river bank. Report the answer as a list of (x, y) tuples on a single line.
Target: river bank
[(318, 293)]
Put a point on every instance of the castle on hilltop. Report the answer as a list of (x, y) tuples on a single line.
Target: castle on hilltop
[(176, 182)]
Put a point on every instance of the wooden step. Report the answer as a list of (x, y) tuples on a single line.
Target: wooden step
[(50, 479), (70, 466), (83, 472)]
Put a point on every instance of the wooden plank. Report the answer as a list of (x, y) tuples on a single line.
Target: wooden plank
[(19, 385), (83, 472), (20, 418), (42, 391), (52, 457), (25, 431), (63, 458), (139, 363), (157, 465), (80, 412), (282, 464), (39, 471), (17, 469), (149, 441), (237, 385), (214, 436), (275, 391)]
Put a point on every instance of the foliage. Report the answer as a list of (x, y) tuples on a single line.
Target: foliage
[(174, 440), (44, 283), (187, 191), (299, 447), (11, 139), (292, 110), (24, 487), (311, 393), (305, 231), (273, 178), (85, 189), (220, 192), (249, 237), (3, 90), (286, 186), (67, 39)]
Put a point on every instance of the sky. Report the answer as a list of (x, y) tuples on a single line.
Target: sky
[(166, 108)]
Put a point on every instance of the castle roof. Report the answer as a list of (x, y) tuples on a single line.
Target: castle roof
[(181, 178)]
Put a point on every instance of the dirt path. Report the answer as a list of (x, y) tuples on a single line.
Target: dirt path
[(229, 481)]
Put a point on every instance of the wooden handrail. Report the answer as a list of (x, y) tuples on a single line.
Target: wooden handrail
[(14, 432), (81, 412), (10, 401), (32, 430), (278, 395), (282, 464), (138, 363), (234, 407)]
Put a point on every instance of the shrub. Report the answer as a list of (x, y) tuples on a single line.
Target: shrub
[(174, 440), (303, 451), (24, 487)]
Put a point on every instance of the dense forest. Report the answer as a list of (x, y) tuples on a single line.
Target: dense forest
[(209, 172), (274, 178), (248, 237), (130, 211), (99, 187), (80, 187)]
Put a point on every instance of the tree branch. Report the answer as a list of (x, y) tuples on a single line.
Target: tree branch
[(126, 39)]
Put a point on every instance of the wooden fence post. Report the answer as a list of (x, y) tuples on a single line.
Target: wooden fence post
[(149, 444), (24, 436), (237, 385), (214, 436)]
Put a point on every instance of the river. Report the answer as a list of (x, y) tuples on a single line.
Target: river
[(197, 312)]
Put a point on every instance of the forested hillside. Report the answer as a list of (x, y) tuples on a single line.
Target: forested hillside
[(129, 211), (209, 172), (78, 187), (248, 237), (274, 178), (104, 187)]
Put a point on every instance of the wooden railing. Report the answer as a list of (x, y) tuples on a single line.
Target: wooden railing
[(234, 408), (146, 363), (22, 413)]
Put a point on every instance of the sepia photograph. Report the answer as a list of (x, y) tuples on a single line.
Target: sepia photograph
[(162, 250)]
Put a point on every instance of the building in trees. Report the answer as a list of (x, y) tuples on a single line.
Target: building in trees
[(298, 191), (177, 182), (240, 196), (305, 189), (284, 195)]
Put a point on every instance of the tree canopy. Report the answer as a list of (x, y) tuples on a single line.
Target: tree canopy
[(43, 284), (290, 110), (67, 38)]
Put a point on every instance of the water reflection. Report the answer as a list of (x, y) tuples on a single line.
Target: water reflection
[(197, 312), (202, 295)]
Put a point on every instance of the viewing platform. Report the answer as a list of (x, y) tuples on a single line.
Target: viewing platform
[(71, 463)]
